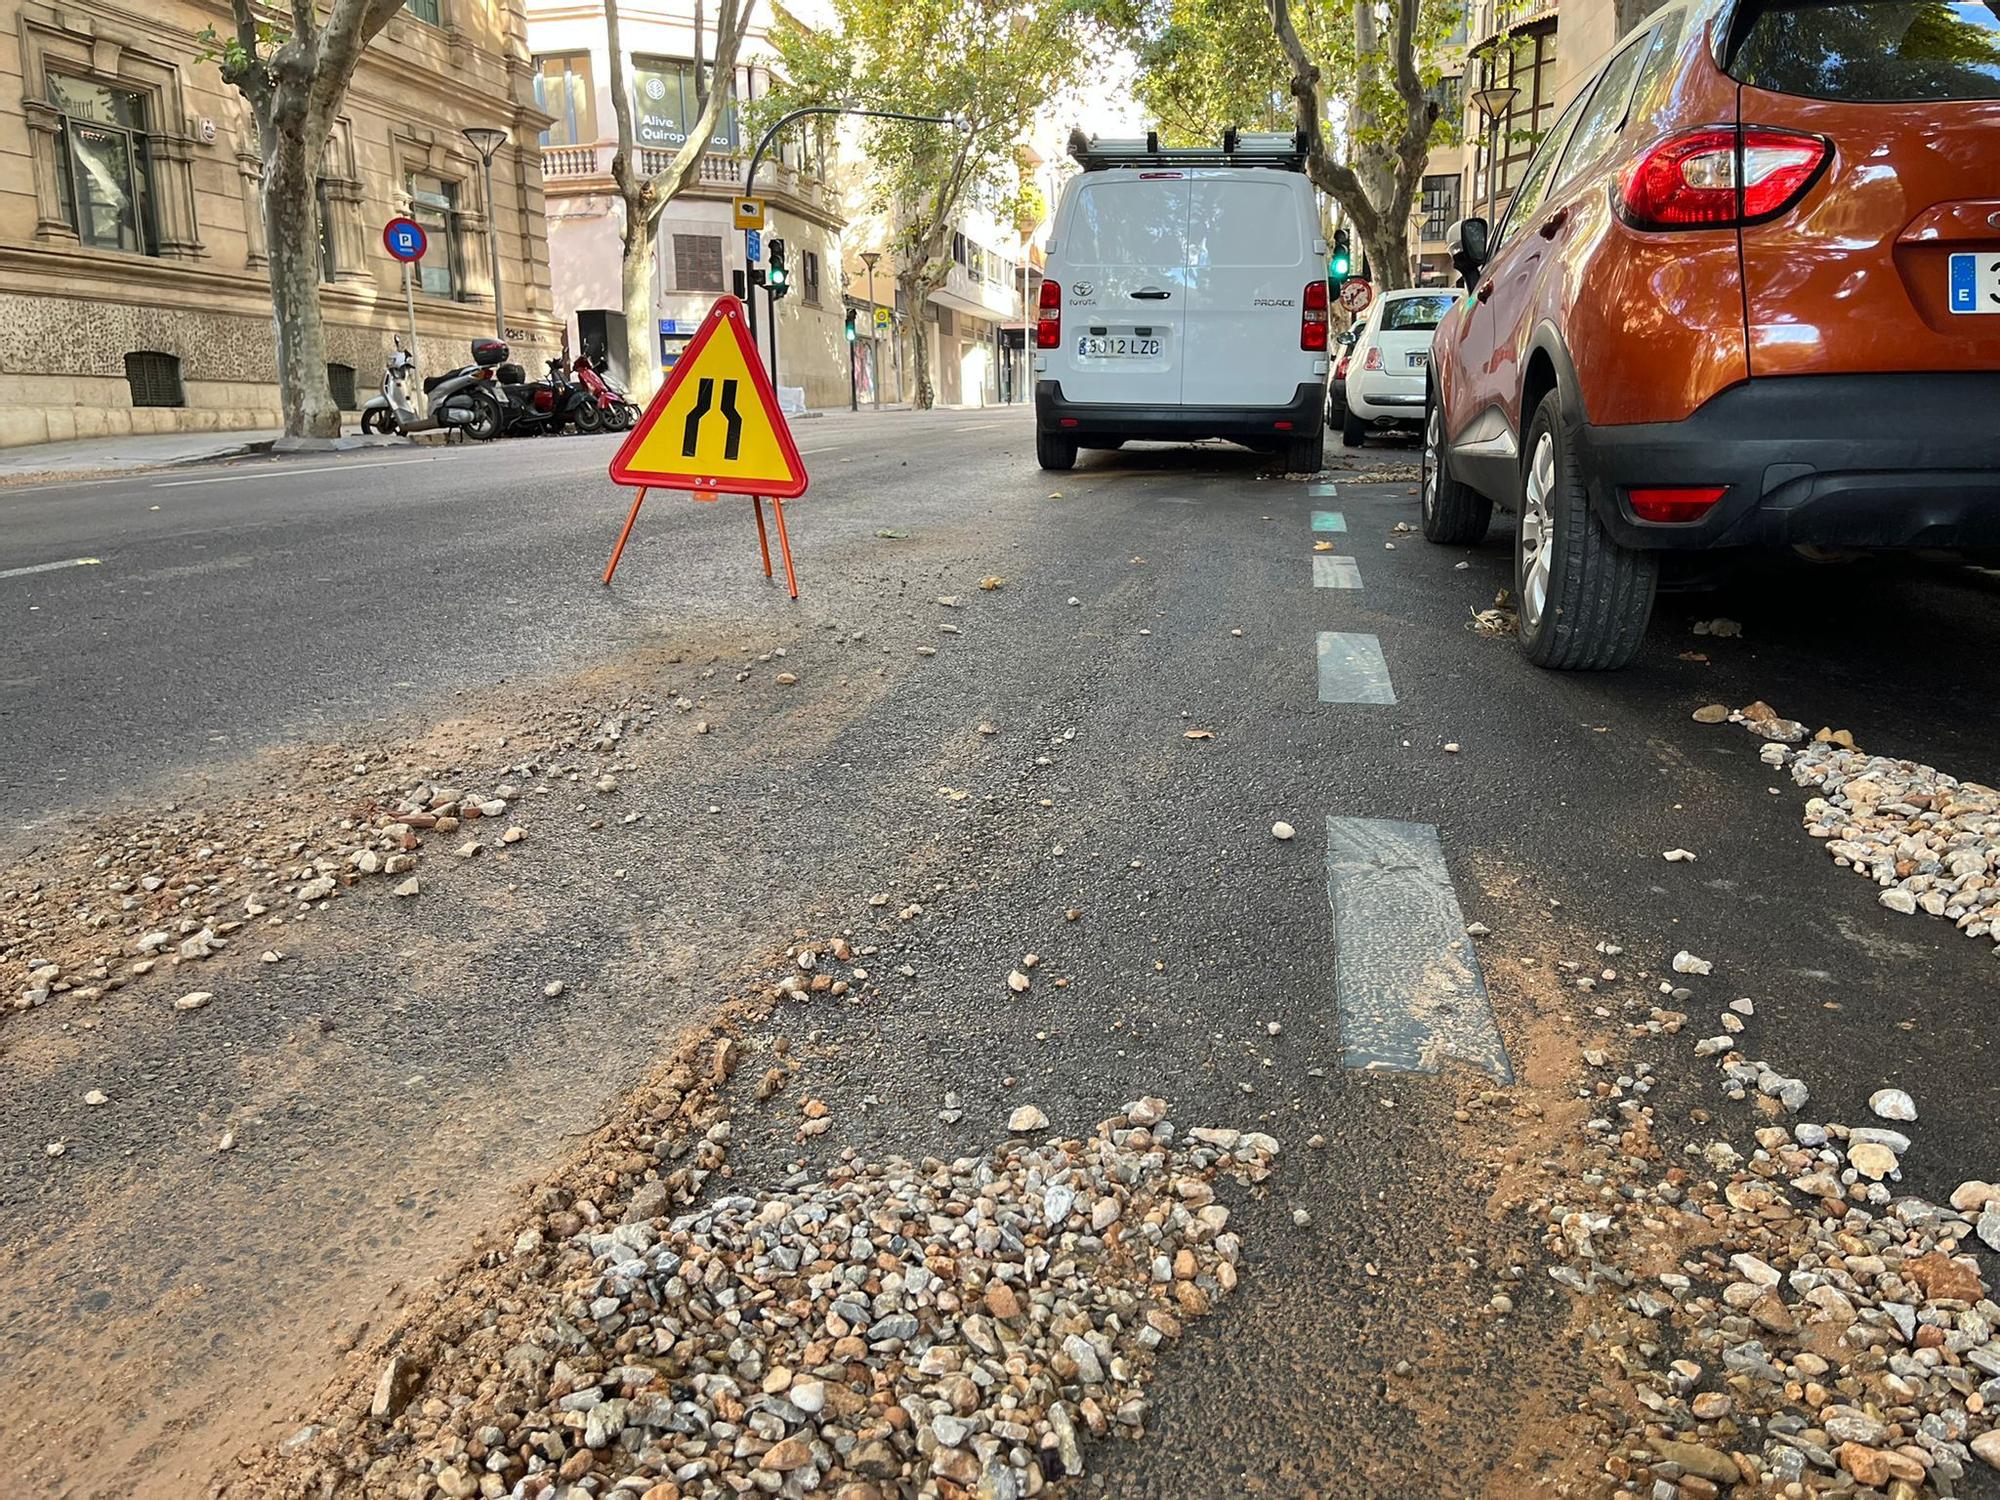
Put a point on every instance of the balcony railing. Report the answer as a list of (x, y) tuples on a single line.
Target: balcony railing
[(1493, 18), (721, 172)]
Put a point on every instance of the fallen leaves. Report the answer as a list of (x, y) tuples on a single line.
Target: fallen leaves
[(1199, 734), (992, 581)]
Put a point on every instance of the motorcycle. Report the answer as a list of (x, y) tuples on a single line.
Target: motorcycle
[(541, 406), (460, 400), (612, 411)]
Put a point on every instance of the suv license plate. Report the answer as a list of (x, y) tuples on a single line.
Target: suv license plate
[(1975, 283), (1420, 360), (1118, 347)]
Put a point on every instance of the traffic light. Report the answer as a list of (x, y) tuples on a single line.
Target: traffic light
[(1340, 265), (850, 326), (777, 280)]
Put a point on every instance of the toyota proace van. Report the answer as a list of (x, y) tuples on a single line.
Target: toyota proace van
[(1185, 297)]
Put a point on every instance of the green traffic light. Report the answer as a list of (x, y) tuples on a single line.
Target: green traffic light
[(1340, 266)]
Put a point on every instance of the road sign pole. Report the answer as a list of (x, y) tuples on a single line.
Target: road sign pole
[(410, 304), (624, 536)]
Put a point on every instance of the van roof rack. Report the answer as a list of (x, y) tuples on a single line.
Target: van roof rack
[(1285, 151)]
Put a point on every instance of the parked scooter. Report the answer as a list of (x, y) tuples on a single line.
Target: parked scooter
[(535, 407), (614, 411), (461, 399)]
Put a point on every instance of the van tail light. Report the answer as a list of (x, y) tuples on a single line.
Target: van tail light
[(1719, 178), (1048, 318), (1312, 317), (1374, 360), (1679, 504)]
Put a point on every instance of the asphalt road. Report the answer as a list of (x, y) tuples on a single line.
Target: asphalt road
[(402, 1076)]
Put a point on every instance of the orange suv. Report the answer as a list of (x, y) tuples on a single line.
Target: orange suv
[(1747, 293)]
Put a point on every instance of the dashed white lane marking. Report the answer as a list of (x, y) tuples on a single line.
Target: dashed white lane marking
[(1336, 573), (52, 567), (263, 473), (1320, 491), (1407, 981), (975, 426), (1329, 520), (1352, 669)]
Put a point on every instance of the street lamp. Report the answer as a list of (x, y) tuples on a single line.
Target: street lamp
[(486, 140), (1494, 104), (868, 259)]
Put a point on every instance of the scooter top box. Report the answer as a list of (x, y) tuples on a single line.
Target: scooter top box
[(489, 352)]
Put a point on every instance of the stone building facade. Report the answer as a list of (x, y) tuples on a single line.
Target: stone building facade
[(133, 291)]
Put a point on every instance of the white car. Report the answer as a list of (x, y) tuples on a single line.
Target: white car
[(1184, 297), (1389, 363)]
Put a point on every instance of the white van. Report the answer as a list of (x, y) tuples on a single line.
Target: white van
[(1185, 297)]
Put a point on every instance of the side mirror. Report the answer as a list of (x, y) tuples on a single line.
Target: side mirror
[(1466, 243)]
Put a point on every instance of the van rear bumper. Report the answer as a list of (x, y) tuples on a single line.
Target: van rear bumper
[(1300, 417), (1887, 460)]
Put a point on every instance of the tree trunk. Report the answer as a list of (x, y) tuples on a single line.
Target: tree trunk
[(926, 395), (642, 332), (291, 231), (1388, 250)]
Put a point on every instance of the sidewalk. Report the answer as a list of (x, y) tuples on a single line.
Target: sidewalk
[(113, 455)]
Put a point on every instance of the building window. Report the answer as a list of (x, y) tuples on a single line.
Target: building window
[(155, 379), (562, 89), (434, 204), (328, 262), (1440, 206), (430, 12), (663, 97), (697, 263), (945, 321), (812, 277), (340, 380), (104, 168), (1528, 64)]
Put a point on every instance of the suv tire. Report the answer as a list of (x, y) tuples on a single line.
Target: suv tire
[(1584, 600), (1455, 514), (1353, 431), (1053, 452), (1306, 455)]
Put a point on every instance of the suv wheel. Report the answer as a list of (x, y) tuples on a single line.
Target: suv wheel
[(1454, 514), (1053, 452), (1583, 599)]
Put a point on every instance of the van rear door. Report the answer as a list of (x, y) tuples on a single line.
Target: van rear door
[(1892, 260), (1251, 246), (1123, 259)]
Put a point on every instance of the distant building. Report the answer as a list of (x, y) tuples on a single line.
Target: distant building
[(698, 248), (133, 290)]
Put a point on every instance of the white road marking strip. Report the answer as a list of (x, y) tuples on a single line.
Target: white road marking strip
[(274, 473), (73, 562), (1405, 976), (1352, 669), (1329, 520), (1336, 573), (1320, 491), (975, 427), (67, 484)]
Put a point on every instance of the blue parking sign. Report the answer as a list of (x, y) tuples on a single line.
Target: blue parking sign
[(405, 239), (753, 245)]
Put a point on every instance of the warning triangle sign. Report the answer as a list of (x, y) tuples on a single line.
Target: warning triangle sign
[(715, 426)]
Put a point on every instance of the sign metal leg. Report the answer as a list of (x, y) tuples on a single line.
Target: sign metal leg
[(618, 551), (763, 538), (785, 546)]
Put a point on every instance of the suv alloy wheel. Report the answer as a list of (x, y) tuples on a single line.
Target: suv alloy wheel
[(1454, 514)]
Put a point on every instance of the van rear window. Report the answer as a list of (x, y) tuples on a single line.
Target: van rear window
[(1238, 223), (1129, 223), (1871, 51)]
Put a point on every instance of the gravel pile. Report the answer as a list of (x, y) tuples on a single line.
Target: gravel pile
[(135, 896), (892, 1328), (1780, 1320)]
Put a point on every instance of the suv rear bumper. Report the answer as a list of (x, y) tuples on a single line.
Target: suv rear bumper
[(1886, 460), (1301, 417)]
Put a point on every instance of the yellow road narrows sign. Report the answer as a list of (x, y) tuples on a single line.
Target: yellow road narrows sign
[(715, 427)]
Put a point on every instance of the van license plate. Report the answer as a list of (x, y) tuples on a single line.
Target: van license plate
[(1116, 347), (1975, 283), (1420, 360)]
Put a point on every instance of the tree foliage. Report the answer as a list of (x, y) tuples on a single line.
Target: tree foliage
[(1356, 77), (991, 66)]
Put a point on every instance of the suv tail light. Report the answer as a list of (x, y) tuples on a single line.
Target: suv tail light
[(1677, 504), (1312, 317), (1719, 178), (1374, 360), (1048, 319)]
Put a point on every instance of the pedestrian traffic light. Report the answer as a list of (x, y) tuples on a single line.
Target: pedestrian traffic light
[(777, 280), (850, 325), (1340, 265)]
